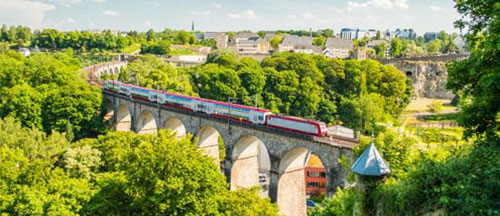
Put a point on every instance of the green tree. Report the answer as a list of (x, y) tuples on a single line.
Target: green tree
[(216, 82), (152, 73), (159, 48), (82, 161), (4, 33), (474, 78), (434, 46), (208, 43), (23, 103), (162, 175), (53, 87), (252, 81), (245, 202), (223, 57), (380, 50), (451, 47), (280, 89), (395, 48), (185, 37), (275, 42), (364, 112), (327, 33), (342, 203), (319, 41)]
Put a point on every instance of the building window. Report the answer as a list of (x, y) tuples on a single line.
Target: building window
[(316, 184), (316, 174)]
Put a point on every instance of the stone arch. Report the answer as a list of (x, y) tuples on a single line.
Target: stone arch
[(208, 141), (250, 159), (123, 119), (117, 70), (176, 125), (291, 197), (108, 111), (146, 123)]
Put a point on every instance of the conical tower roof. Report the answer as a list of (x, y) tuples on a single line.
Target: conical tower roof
[(371, 163)]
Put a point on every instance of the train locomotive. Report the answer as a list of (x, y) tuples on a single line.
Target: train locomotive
[(218, 108)]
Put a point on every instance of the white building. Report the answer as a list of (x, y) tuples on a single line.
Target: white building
[(298, 44), (25, 51), (358, 34), (253, 45), (187, 60), (337, 48)]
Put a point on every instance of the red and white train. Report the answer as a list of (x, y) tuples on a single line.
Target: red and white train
[(218, 108)]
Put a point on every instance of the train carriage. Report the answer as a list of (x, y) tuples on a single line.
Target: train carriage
[(235, 111), (221, 109), (297, 124)]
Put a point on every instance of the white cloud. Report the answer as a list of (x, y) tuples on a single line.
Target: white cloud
[(200, 13), (66, 3), (20, 12), (69, 20), (154, 4), (435, 8), (249, 14), (216, 5), (308, 16), (110, 13), (69, 3), (388, 4)]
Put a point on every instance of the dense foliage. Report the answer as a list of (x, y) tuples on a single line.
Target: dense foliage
[(15, 34), (116, 174), (49, 92), (151, 72), (477, 77), (150, 41), (306, 85), (451, 179)]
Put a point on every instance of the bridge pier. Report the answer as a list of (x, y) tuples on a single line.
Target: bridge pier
[(273, 179)]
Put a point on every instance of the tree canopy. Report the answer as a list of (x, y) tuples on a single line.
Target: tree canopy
[(310, 86), (115, 174), (49, 92)]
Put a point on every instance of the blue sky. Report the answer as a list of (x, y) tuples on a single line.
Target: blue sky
[(224, 15)]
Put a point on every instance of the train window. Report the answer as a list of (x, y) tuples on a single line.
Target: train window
[(261, 118), (201, 106)]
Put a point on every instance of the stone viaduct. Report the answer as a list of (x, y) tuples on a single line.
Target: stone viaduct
[(94, 72), (245, 145)]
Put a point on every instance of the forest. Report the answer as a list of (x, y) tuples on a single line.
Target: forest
[(58, 157)]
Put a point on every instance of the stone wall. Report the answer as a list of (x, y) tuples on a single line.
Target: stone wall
[(429, 77), (429, 73)]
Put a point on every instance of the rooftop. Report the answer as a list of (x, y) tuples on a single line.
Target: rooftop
[(339, 43)]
